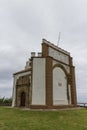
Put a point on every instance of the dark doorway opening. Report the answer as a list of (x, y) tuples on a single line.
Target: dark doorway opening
[(23, 98)]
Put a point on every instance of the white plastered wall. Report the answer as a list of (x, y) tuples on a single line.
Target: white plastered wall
[(14, 85), (59, 87), (67, 68), (58, 55), (38, 81)]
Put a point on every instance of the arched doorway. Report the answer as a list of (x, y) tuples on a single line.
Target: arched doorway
[(23, 98)]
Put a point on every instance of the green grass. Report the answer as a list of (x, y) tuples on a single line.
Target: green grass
[(18, 119)]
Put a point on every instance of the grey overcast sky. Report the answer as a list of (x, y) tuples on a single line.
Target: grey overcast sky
[(23, 24)]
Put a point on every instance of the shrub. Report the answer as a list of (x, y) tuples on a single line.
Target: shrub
[(5, 101)]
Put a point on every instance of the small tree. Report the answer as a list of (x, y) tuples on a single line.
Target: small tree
[(8, 100), (2, 99), (5, 101)]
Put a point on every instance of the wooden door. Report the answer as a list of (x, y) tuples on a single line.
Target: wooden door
[(23, 98)]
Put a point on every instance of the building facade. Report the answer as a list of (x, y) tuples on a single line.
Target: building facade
[(48, 80)]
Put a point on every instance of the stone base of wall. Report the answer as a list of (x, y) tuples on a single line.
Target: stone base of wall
[(52, 107)]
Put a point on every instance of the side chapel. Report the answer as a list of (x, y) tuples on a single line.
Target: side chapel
[(48, 80)]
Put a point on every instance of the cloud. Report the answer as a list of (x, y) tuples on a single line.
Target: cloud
[(23, 23)]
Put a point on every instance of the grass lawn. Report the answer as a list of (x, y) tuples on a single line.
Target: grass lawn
[(18, 119)]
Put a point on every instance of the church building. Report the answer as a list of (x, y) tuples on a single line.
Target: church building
[(47, 81)]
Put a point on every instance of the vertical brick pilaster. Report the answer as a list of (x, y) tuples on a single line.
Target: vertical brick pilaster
[(49, 82), (74, 87), (44, 50), (73, 83)]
